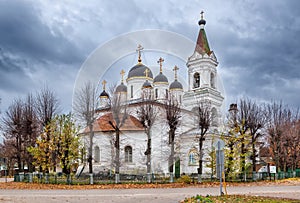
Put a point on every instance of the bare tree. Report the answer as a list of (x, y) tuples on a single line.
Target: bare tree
[(118, 108), (173, 115), (84, 108), (12, 128), (203, 119), (256, 121), (30, 129), (147, 113), (278, 118), (291, 142)]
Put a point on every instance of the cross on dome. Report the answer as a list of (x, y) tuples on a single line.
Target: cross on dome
[(160, 61), (103, 84), (175, 69), (147, 72), (139, 49), (201, 13), (122, 75)]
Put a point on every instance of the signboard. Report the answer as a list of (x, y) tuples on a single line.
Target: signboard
[(272, 169)]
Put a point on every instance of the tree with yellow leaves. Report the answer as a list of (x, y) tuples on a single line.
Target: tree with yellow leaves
[(63, 147)]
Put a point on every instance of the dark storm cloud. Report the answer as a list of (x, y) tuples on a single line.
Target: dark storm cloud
[(23, 33), (262, 52)]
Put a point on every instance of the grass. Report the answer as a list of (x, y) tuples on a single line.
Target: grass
[(236, 199)]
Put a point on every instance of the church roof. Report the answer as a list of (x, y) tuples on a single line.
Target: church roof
[(160, 78), (202, 46), (104, 94), (139, 71), (147, 84), (121, 88), (175, 85), (102, 124)]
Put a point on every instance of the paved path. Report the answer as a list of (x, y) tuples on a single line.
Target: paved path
[(170, 195)]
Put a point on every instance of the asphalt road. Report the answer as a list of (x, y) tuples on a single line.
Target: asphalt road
[(169, 195)]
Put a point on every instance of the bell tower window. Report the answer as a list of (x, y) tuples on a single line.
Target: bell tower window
[(196, 80), (212, 81)]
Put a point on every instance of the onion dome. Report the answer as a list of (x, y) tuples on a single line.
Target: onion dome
[(121, 88), (138, 71), (202, 21), (104, 94), (160, 78), (147, 84), (176, 85)]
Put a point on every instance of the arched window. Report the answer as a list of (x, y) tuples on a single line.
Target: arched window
[(167, 94), (193, 157), (128, 154), (214, 117), (97, 154), (196, 80), (212, 81), (131, 91), (156, 93)]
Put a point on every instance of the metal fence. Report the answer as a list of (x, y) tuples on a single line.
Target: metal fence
[(60, 178)]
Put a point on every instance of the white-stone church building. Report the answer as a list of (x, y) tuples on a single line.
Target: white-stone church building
[(202, 71)]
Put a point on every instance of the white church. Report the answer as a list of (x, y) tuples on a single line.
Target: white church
[(202, 73)]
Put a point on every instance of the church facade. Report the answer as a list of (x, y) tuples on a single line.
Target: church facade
[(202, 73)]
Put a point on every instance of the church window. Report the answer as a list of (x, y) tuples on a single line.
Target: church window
[(212, 81), (156, 93), (193, 157), (196, 80), (128, 154), (167, 94), (214, 117), (131, 91), (97, 154)]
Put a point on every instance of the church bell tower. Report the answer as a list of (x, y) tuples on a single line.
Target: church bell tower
[(202, 75)]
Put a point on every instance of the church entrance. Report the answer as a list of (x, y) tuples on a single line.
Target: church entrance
[(177, 168)]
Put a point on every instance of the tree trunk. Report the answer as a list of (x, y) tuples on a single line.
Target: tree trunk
[(253, 157), (171, 160), (200, 159), (90, 156), (149, 157), (117, 146)]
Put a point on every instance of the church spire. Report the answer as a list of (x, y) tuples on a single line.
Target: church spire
[(202, 46), (160, 61), (139, 49)]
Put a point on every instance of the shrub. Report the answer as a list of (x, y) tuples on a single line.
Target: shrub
[(184, 179)]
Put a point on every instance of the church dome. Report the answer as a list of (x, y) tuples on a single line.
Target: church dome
[(176, 85), (147, 84), (160, 78), (121, 88), (104, 94), (139, 71)]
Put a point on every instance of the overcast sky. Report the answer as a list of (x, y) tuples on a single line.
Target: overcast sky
[(257, 43)]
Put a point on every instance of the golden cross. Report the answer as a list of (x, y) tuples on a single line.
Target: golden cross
[(175, 69), (201, 14), (139, 49), (160, 61), (146, 72), (104, 83), (122, 74)]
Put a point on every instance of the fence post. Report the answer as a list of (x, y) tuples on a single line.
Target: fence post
[(91, 179)]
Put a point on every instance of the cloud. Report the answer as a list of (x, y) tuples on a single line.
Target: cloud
[(256, 43)]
